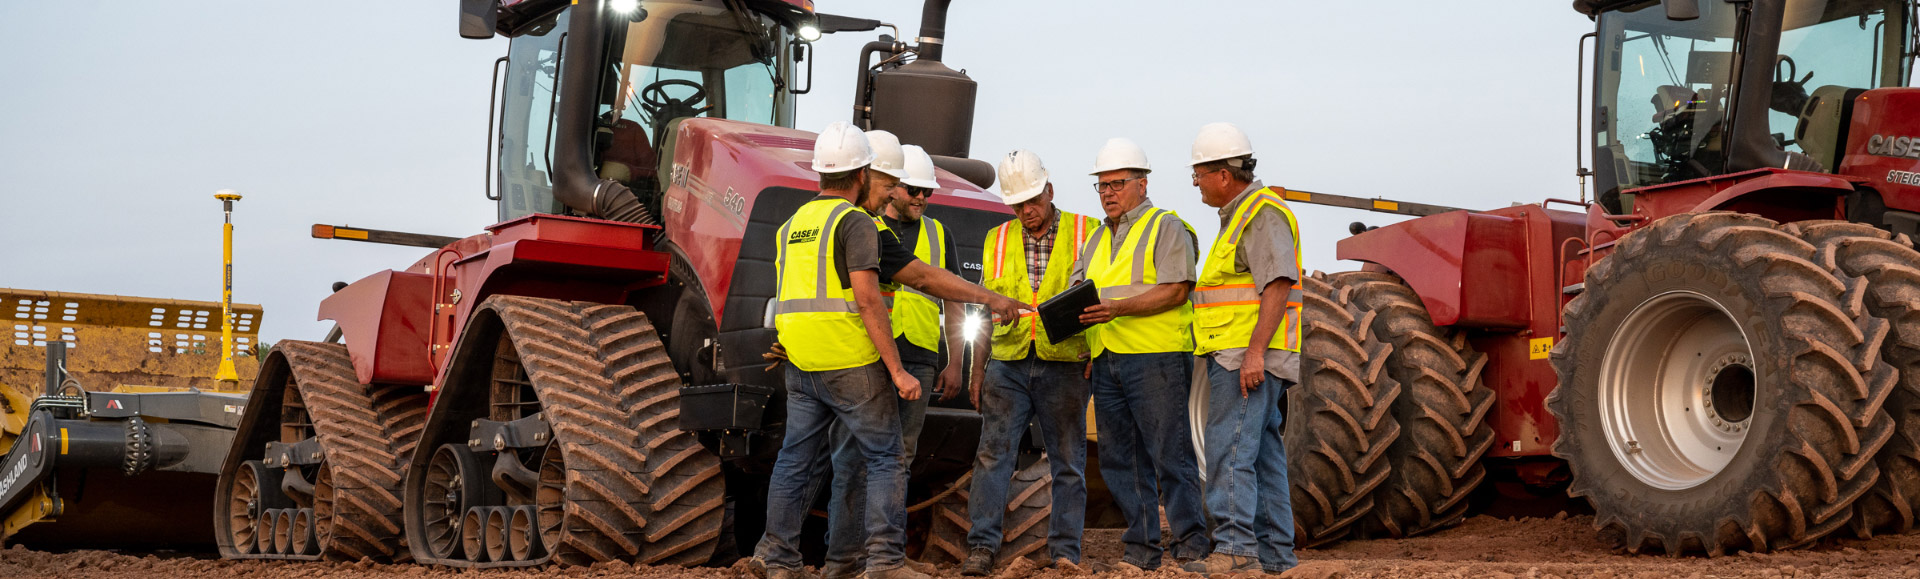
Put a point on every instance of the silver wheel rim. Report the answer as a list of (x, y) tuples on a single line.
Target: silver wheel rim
[(1677, 390)]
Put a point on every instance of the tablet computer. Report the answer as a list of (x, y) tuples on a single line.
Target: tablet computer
[(1061, 313)]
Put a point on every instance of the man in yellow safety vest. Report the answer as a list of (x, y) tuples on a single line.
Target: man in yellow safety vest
[(918, 273), (1143, 263), (1031, 378), (833, 321), (1247, 329)]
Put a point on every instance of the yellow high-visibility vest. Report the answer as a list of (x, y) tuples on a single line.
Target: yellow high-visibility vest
[(916, 315), (1005, 272), (1226, 302), (817, 320), (1127, 274)]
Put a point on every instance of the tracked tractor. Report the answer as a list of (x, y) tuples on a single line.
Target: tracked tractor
[(584, 380), (1720, 353)]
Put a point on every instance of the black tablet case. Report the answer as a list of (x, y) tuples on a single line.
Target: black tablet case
[(1061, 313)]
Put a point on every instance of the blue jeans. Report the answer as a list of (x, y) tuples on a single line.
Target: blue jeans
[(845, 509), (1146, 451), (1014, 395), (1247, 493), (864, 400)]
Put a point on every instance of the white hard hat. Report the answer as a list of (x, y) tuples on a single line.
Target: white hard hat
[(1120, 153), (1220, 141), (887, 157), (1022, 177), (841, 148), (919, 168)]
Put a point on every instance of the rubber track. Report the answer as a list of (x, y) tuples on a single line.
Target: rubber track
[(1891, 268), (1442, 409), (1835, 429), (604, 517), (367, 434), (1340, 416), (686, 492), (1024, 531)]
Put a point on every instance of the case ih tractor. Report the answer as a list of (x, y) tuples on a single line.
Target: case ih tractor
[(584, 381), (1720, 354)]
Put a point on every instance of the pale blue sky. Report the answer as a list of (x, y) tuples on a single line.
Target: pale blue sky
[(118, 120)]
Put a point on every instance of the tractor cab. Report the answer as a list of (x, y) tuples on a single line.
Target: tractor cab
[(1686, 89), (578, 107)]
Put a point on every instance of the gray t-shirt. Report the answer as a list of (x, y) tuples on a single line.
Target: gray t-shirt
[(1266, 251), (1173, 252), (856, 244)]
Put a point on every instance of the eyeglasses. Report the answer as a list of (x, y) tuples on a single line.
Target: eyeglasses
[(1197, 174), (919, 191), (1113, 185)]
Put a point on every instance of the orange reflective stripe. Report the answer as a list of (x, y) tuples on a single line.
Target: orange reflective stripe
[(1225, 286)]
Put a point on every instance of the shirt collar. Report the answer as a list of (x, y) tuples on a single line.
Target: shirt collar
[(1226, 211), (1130, 216)]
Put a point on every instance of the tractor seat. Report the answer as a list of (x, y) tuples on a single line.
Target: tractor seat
[(630, 156)]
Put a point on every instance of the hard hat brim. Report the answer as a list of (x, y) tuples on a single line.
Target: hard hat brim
[(921, 183), (819, 168), (1098, 170), (1019, 197), (896, 173)]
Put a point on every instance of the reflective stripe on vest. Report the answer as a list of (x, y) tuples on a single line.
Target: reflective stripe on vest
[(818, 323), (1128, 273), (916, 315), (1226, 302), (1005, 272)]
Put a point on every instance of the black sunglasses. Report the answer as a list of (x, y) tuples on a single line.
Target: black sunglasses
[(919, 192)]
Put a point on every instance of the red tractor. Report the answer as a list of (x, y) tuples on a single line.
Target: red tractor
[(584, 381), (1722, 353)]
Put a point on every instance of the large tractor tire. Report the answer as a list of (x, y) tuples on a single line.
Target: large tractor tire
[(1442, 407), (348, 494), (591, 465), (1891, 268), (1720, 390), (1024, 531), (1339, 418)]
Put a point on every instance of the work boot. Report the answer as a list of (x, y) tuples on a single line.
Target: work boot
[(842, 570), (979, 563), (1066, 565), (1223, 563), (778, 572), (901, 572), (757, 567), (921, 566)]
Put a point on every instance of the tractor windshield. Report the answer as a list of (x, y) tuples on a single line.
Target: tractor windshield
[(1666, 86), (680, 59), (1827, 48)]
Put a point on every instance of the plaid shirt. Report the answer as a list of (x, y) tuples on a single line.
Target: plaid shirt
[(1038, 250)]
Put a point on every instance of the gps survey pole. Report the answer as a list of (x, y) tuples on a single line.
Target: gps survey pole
[(226, 373)]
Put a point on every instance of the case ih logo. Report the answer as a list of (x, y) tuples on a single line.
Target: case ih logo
[(1885, 146), (803, 236)]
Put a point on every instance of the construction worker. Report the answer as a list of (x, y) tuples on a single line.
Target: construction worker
[(834, 325), (911, 271), (1142, 260), (1246, 328), (1031, 377)]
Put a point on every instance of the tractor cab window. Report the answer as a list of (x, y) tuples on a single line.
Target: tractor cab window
[(1666, 86), (1827, 48), (526, 120), (676, 59)]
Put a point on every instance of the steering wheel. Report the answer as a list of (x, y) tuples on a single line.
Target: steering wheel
[(660, 105)]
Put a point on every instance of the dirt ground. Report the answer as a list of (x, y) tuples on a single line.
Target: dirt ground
[(1482, 547)]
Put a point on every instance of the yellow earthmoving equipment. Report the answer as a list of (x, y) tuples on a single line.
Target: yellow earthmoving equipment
[(111, 418)]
